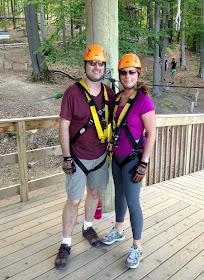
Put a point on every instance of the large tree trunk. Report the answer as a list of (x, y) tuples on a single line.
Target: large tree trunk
[(156, 91), (102, 29), (201, 70), (40, 71)]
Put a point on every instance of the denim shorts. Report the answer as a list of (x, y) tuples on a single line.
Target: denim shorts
[(98, 179)]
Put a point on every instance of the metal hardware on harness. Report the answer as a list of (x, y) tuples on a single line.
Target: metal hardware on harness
[(134, 154), (82, 130), (91, 121), (103, 123), (115, 140)]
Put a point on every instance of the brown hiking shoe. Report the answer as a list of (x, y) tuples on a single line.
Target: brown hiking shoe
[(62, 257), (92, 236)]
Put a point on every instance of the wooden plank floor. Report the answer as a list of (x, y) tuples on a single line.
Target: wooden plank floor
[(173, 237)]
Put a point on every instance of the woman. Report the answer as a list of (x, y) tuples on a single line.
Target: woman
[(133, 111)]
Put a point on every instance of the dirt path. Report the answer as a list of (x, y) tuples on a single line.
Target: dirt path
[(15, 88)]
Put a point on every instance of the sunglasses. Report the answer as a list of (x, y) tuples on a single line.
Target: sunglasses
[(94, 63), (130, 72)]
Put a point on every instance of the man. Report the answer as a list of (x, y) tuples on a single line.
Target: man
[(82, 134), (173, 70)]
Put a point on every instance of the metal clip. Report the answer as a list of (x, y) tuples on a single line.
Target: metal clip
[(115, 140)]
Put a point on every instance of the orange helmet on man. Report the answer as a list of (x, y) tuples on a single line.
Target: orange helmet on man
[(95, 53), (129, 60)]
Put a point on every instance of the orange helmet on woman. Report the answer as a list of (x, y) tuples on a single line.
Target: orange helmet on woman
[(129, 60), (95, 53)]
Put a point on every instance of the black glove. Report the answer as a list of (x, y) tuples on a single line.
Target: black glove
[(68, 166), (138, 172)]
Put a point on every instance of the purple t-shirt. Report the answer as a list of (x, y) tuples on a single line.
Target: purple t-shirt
[(134, 121), (75, 109)]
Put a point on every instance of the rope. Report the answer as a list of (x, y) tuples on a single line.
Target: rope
[(114, 80), (56, 96), (178, 16), (59, 95)]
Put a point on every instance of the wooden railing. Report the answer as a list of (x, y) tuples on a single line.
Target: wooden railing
[(179, 150)]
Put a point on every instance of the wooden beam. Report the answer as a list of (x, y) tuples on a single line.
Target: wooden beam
[(33, 185), (22, 161), (32, 155)]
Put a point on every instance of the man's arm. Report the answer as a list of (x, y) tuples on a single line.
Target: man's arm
[(64, 137)]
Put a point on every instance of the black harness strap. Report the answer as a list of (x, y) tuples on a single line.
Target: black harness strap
[(82, 131), (136, 146), (83, 168), (92, 102)]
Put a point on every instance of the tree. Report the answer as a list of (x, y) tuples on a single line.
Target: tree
[(42, 21), (156, 91), (183, 58), (5, 25), (201, 70), (40, 70), (165, 14), (13, 14), (150, 20)]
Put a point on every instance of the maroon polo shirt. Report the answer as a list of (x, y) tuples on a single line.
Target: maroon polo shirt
[(75, 109)]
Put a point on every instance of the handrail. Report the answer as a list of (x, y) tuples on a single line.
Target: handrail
[(179, 150)]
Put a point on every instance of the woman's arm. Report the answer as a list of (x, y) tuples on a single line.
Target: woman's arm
[(149, 121)]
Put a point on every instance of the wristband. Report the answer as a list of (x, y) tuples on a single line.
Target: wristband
[(67, 158), (146, 160)]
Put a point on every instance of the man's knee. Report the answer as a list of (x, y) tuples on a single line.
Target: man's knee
[(73, 204), (92, 192)]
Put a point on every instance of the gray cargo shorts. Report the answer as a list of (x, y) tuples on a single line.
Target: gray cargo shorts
[(98, 179)]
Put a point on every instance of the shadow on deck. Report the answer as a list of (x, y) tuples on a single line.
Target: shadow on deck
[(173, 237)]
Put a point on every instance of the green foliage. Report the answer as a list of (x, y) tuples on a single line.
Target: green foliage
[(12, 134), (50, 138), (71, 55), (131, 33), (133, 27), (168, 104)]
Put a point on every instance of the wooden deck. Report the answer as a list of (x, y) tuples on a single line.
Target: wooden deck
[(173, 237)]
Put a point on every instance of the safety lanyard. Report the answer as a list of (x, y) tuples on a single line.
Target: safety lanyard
[(102, 133), (125, 111)]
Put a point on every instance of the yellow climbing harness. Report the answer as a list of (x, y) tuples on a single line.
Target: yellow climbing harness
[(124, 111), (102, 133)]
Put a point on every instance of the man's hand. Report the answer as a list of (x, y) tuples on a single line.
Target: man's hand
[(138, 172), (68, 166)]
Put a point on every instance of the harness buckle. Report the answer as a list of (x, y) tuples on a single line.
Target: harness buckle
[(133, 155), (81, 131), (115, 140), (103, 123)]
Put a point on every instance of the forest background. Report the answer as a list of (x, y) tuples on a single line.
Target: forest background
[(149, 28)]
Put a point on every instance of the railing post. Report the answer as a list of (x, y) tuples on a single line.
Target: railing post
[(22, 160), (188, 148)]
